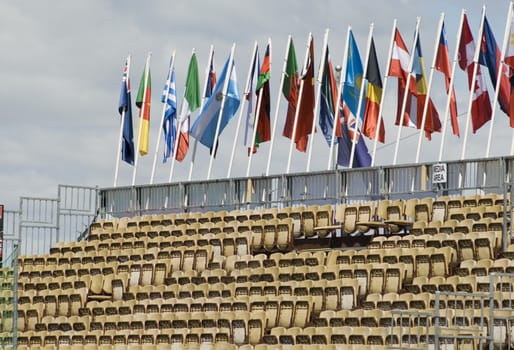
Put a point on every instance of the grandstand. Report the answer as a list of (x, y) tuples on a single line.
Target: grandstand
[(374, 258)]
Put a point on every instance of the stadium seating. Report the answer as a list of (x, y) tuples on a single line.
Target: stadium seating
[(237, 279)]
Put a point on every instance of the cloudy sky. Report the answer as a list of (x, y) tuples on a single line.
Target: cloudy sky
[(61, 65)]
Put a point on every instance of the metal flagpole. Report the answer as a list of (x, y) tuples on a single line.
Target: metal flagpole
[(140, 119), (258, 108), (450, 85), (499, 73), (178, 131), (317, 97), (337, 108), (406, 93), (247, 91), (168, 82), (473, 83), (195, 145), (298, 103), (361, 96), (429, 87), (278, 105), (228, 76), (120, 138), (381, 107)]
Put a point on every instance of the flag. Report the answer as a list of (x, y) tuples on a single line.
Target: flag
[(125, 106), (250, 118), (481, 104), (373, 98), (490, 56), (509, 60), (211, 78), (399, 67), (306, 112), (442, 64), (190, 103), (361, 155), (353, 78), (328, 100), (204, 127), (169, 123), (262, 115), (143, 103), (432, 122)]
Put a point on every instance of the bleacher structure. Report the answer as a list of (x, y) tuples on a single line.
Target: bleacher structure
[(379, 258)]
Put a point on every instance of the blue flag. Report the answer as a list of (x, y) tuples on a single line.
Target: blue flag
[(169, 123), (125, 106), (353, 79), (204, 127), (361, 157)]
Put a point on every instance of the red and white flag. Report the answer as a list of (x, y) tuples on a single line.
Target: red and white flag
[(481, 105)]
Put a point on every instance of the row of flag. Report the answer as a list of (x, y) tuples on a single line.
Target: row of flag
[(344, 111)]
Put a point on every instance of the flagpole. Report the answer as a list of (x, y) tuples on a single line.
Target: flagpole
[(317, 97), (361, 95), (337, 109), (195, 145), (140, 119), (168, 82), (406, 93), (473, 83), (499, 74), (450, 86), (218, 125), (298, 104), (381, 106), (429, 87), (278, 105), (122, 125), (258, 109), (247, 91)]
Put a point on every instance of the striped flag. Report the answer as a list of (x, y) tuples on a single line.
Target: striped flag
[(143, 103), (169, 123)]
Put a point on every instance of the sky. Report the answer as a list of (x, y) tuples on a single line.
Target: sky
[(61, 65)]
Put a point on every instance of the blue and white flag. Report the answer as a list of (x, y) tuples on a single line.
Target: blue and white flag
[(169, 123), (204, 127), (125, 106)]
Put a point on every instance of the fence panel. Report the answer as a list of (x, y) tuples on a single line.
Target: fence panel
[(39, 225), (77, 208)]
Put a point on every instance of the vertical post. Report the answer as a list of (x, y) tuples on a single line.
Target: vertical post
[(406, 93), (275, 120), (473, 84), (361, 95), (429, 87), (140, 118), (450, 85), (381, 107), (167, 86), (317, 97), (120, 138)]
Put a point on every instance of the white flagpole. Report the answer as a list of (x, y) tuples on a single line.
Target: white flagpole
[(258, 108), (218, 125), (406, 93), (275, 120), (337, 113), (429, 87), (361, 95), (298, 104), (499, 73), (247, 91), (317, 97), (179, 129), (140, 119), (168, 82), (473, 83), (384, 85), (120, 138), (195, 145), (450, 86)]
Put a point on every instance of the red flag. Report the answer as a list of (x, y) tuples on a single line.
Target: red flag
[(400, 59), (442, 64), (509, 60), (481, 105)]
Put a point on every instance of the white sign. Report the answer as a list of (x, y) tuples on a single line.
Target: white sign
[(439, 173)]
